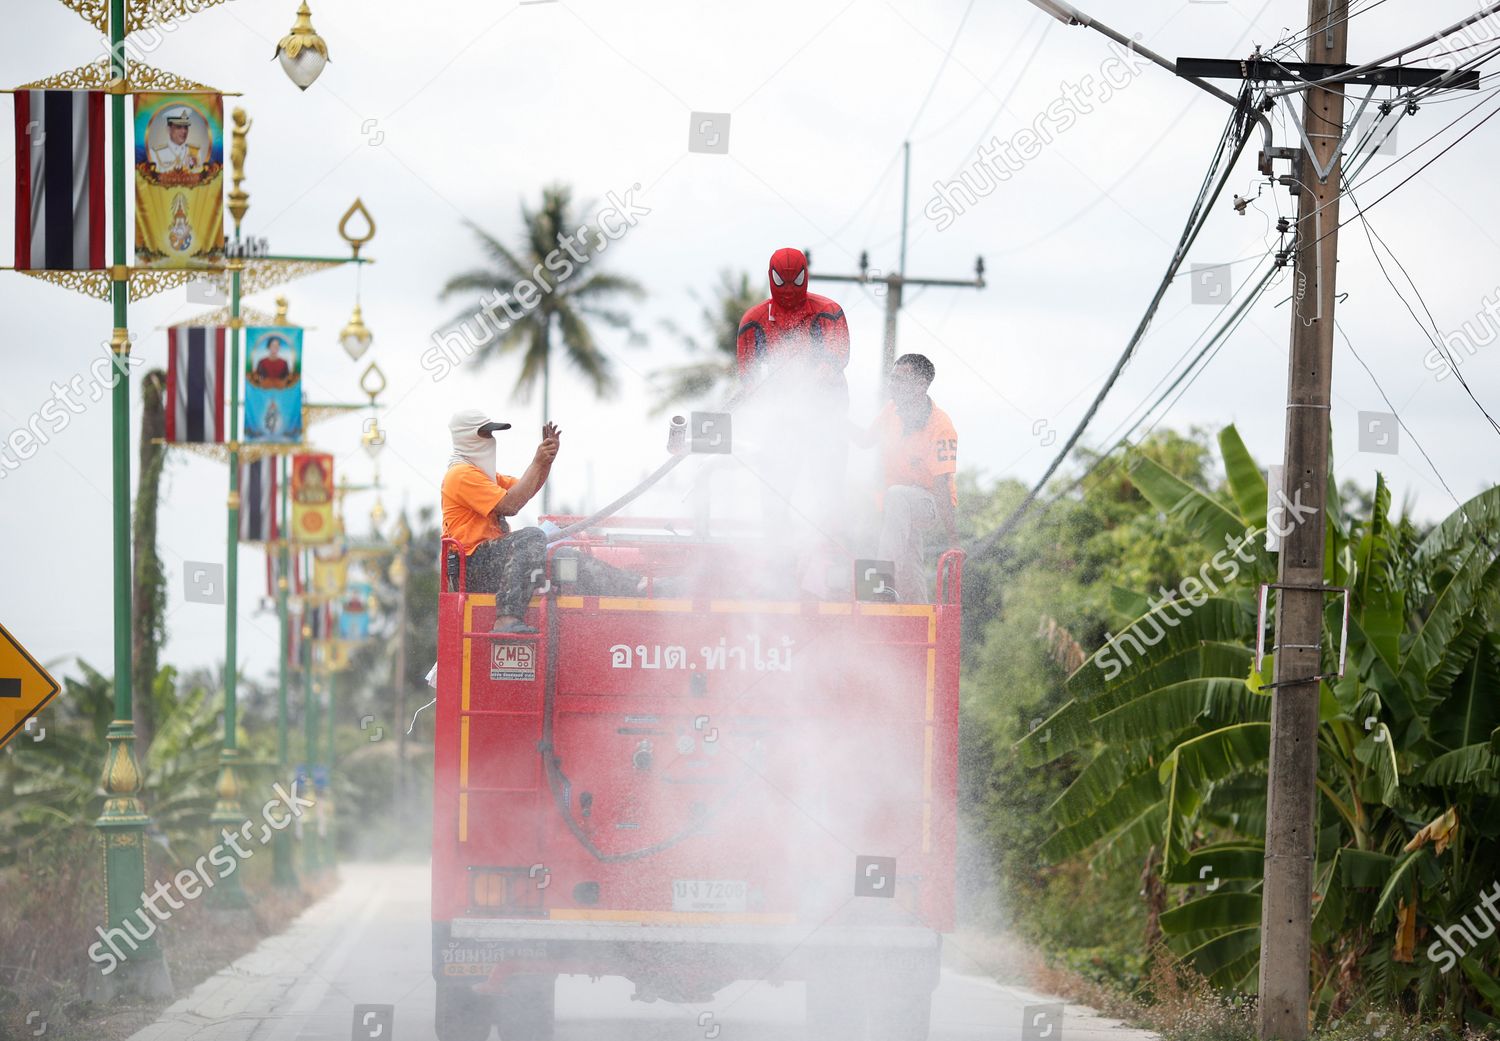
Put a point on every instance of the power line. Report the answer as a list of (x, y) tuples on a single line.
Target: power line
[(1216, 343), (1237, 319), (1226, 329), (1005, 101), (1372, 237), (984, 87), (889, 166), (1368, 66), (1305, 34), (1197, 217), (939, 74), (1384, 397)]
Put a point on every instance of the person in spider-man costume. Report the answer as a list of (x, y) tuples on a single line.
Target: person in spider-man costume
[(792, 351), (795, 332)]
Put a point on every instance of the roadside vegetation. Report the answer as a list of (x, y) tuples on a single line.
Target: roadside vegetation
[(1119, 728)]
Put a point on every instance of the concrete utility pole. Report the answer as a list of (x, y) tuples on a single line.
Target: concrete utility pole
[(1291, 791), (896, 280)]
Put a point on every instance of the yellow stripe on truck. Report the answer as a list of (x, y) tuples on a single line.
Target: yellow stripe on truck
[(468, 651), (463, 752)]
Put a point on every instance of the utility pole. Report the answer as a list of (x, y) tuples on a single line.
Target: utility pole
[(1291, 789), (896, 281)]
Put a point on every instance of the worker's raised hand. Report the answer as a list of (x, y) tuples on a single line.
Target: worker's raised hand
[(551, 441)]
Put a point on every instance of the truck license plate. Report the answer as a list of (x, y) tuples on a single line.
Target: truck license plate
[(700, 895)]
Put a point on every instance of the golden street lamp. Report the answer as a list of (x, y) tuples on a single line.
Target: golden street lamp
[(355, 338), (302, 51), (373, 439)]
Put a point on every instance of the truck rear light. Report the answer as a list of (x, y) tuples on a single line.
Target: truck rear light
[(517, 890)]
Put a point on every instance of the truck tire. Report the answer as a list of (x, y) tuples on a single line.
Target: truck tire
[(901, 1014), (527, 1010), (835, 1010), (462, 1015)]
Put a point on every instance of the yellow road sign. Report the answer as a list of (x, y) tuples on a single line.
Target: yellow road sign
[(24, 686)]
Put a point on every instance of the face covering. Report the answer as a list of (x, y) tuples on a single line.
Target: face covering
[(788, 278), (469, 445)]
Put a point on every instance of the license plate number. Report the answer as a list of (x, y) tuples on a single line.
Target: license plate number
[(704, 895)]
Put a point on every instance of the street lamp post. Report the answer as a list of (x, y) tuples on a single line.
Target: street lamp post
[(311, 862), (228, 815), (283, 873), (398, 575), (330, 842), (122, 824)]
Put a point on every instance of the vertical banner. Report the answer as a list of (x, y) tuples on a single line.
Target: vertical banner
[(312, 498), (60, 181), (335, 655), (294, 639), (319, 621), (195, 384), (179, 180), (258, 518), (330, 575), (273, 384), (354, 619)]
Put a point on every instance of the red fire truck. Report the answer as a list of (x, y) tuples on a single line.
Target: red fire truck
[(692, 786)]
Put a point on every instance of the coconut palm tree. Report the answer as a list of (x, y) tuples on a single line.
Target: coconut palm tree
[(149, 596), (719, 325), (566, 293)]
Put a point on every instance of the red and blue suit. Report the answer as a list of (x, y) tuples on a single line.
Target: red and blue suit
[(792, 351), (796, 334)]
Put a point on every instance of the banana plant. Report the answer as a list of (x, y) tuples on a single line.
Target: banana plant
[(1170, 721), (50, 789)]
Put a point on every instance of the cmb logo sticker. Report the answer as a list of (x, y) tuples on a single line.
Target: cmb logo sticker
[(513, 661)]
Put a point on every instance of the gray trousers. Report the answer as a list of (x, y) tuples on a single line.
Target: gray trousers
[(513, 567), (509, 567), (910, 512)]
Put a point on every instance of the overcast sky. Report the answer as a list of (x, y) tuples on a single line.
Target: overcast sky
[(456, 111)]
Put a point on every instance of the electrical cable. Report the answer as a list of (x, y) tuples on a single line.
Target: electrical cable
[(984, 88), (1114, 435), (1226, 329), (1197, 218), (1372, 236), (1384, 397), (1306, 34), (942, 67), (1368, 66)]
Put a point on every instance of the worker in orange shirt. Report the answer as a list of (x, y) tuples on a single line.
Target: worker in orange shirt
[(477, 502), (918, 458)]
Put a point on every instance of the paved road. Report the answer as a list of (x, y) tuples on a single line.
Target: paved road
[(370, 943)]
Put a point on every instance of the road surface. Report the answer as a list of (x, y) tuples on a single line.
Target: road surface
[(370, 944)]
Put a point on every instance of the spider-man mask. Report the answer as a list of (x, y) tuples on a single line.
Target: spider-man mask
[(788, 279)]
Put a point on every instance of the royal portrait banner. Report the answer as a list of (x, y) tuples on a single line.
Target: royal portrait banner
[(273, 384), (312, 498), (354, 618), (330, 576), (179, 180)]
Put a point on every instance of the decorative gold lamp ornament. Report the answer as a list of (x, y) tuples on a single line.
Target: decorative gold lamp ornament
[(373, 438), (356, 338), (302, 51)]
